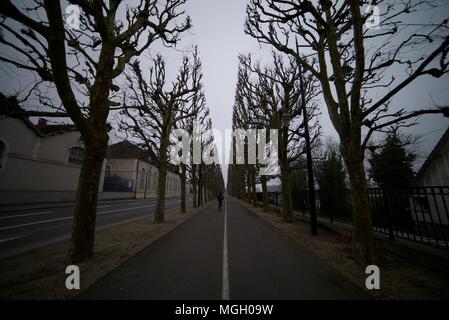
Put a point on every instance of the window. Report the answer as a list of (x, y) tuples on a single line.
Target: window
[(2, 155), (76, 155), (108, 170)]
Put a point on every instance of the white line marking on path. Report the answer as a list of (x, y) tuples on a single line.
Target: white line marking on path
[(225, 285), (126, 209), (33, 223), (66, 218), (9, 239), (26, 215)]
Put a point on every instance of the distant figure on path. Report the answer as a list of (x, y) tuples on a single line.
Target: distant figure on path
[(220, 198)]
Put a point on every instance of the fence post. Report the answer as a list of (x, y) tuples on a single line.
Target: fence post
[(389, 214)]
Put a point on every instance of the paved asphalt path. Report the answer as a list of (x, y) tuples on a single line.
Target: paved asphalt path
[(32, 228), (232, 254)]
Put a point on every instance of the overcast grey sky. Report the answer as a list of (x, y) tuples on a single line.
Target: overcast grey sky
[(218, 32)]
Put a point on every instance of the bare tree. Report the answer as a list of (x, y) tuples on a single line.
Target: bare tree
[(151, 111), (236, 185), (202, 123), (82, 64), (197, 107), (204, 135), (265, 96), (241, 121), (354, 64)]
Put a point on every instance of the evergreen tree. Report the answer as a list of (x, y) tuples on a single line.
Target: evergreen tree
[(392, 167), (298, 188), (331, 178)]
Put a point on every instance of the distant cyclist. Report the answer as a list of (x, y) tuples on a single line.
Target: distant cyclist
[(220, 198)]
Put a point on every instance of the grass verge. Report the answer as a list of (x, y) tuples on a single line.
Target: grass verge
[(399, 278)]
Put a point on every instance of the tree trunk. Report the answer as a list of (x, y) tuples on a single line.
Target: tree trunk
[(159, 214), (183, 188), (253, 182), (96, 143), (83, 232), (206, 188), (364, 242), (199, 186), (287, 206), (194, 187), (285, 177), (248, 186), (263, 181)]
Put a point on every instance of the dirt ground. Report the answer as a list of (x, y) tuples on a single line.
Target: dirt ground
[(399, 278), (40, 273)]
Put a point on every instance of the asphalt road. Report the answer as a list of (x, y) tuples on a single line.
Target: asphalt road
[(231, 254), (32, 228)]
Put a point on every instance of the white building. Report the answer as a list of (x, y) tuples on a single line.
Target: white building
[(41, 164), (38, 163), (435, 170), (130, 169), (431, 203)]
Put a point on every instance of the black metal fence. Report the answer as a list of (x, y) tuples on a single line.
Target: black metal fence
[(418, 214)]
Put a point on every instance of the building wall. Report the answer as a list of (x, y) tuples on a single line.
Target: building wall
[(56, 147), (432, 204), (437, 172), (36, 169), (124, 168), (148, 175), (145, 177), (18, 137)]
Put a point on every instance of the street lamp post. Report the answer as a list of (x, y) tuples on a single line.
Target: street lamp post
[(313, 219), (285, 118)]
